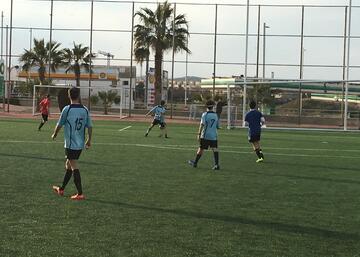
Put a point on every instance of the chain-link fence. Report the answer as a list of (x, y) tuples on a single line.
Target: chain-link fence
[(285, 41)]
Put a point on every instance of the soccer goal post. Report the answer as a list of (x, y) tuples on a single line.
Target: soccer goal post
[(105, 101), (301, 104)]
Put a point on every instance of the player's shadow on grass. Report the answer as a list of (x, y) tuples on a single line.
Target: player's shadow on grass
[(323, 179), (316, 166), (291, 228), (36, 157)]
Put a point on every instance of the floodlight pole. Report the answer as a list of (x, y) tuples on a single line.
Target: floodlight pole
[(347, 68), (186, 63), (50, 43), (264, 47), (10, 48), (6, 64), (2, 53), (301, 62), (344, 66), (246, 62), (215, 45), (258, 42), (91, 46), (2, 35), (172, 62), (131, 56)]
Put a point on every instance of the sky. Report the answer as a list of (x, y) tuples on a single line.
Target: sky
[(71, 20)]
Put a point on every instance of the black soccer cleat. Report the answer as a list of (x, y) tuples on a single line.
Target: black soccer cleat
[(192, 163)]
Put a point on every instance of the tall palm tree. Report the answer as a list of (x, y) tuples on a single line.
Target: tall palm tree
[(38, 57), (75, 59), (155, 31)]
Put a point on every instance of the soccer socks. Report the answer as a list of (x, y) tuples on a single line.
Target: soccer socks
[(259, 153), (41, 124), (216, 158), (198, 156), (67, 177), (77, 181)]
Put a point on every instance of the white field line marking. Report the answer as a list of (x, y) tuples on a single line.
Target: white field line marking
[(271, 148), (193, 148), (124, 128)]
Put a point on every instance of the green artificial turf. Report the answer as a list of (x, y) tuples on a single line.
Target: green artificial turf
[(143, 199)]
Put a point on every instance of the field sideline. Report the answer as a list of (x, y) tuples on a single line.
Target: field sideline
[(144, 200)]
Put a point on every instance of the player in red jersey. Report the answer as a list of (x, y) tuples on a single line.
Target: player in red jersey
[(44, 109)]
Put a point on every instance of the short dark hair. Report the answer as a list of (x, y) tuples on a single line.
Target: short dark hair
[(48, 96), (210, 104), (74, 93), (252, 104), (162, 102)]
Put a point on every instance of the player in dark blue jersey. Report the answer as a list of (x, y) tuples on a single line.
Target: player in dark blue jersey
[(255, 119), (75, 118), (159, 119), (207, 135)]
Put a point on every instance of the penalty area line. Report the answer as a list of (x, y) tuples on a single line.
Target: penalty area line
[(124, 128)]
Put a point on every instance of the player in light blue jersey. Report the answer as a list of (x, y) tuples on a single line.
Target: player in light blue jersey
[(207, 135), (159, 119), (75, 118)]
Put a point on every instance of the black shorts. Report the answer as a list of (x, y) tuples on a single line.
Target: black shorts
[(254, 138), (205, 143), (159, 122), (71, 154), (44, 117)]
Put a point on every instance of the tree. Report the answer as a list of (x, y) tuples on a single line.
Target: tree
[(107, 99), (75, 59), (155, 31), (261, 94), (38, 57)]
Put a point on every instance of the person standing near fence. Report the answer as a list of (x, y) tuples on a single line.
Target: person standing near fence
[(255, 119), (75, 118), (219, 107), (44, 110)]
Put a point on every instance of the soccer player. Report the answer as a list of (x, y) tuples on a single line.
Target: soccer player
[(159, 119), (207, 135), (75, 118), (44, 109), (255, 119)]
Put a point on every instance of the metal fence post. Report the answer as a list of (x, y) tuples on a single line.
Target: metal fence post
[(131, 57), (215, 45), (172, 62)]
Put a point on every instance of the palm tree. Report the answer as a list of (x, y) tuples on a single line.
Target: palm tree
[(75, 59), (107, 98), (155, 31), (38, 56)]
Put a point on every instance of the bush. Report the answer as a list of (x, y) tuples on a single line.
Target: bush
[(107, 99), (117, 99), (94, 99)]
